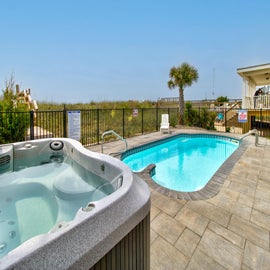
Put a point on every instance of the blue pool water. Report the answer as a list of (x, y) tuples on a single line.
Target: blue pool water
[(185, 163)]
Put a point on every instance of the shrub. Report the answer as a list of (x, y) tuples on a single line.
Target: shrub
[(228, 129), (222, 99), (191, 115), (14, 116), (13, 126)]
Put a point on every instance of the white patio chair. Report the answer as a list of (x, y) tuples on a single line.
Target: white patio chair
[(165, 125)]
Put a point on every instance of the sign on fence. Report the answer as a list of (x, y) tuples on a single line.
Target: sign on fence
[(242, 116), (135, 112), (74, 125)]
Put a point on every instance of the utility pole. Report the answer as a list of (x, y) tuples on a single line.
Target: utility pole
[(213, 89)]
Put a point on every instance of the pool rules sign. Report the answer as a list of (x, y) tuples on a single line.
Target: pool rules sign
[(242, 116), (74, 125)]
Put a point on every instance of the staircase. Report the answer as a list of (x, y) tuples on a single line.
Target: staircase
[(232, 120)]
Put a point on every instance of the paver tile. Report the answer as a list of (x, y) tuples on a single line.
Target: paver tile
[(166, 204), (261, 219), (227, 234), (242, 188), (154, 212), (262, 206), (153, 236), (239, 170), (250, 231), (221, 250), (229, 194), (201, 261), (264, 175), (167, 227), (187, 242), (246, 200), (225, 198), (194, 221), (256, 257), (249, 180), (263, 191), (241, 210), (211, 211), (245, 267), (263, 195), (263, 184), (163, 256)]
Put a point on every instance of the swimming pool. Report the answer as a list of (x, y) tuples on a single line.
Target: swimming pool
[(185, 162)]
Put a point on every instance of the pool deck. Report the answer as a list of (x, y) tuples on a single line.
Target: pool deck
[(231, 230)]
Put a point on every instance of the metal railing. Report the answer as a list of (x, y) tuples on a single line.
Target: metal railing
[(252, 132), (115, 134), (93, 123), (19, 126)]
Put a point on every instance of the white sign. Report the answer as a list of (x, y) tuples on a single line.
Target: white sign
[(242, 116), (135, 112), (74, 125)]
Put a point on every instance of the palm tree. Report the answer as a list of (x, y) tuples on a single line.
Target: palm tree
[(181, 77)]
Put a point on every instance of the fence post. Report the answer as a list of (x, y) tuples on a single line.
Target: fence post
[(157, 117), (200, 124), (260, 118), (32, 131), (225, 119), (65, 122), (97, 126), (123, 122), (142, 121)]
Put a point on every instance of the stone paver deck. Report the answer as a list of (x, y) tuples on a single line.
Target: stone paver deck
[(231, 230)]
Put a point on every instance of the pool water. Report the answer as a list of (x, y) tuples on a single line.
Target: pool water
[(34, 200), (185, 163)]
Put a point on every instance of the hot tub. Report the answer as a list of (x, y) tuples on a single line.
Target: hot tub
[(65, 207)]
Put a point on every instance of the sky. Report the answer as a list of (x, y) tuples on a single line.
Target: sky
[(84, 50)]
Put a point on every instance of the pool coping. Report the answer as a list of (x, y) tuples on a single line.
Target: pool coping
[(214, 184)]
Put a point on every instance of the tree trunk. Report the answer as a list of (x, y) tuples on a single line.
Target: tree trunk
[(181, 106)]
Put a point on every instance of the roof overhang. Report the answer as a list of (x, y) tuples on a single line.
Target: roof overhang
[(260, 74)]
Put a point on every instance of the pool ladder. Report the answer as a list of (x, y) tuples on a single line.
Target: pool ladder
[(253, 131), (117, 135)]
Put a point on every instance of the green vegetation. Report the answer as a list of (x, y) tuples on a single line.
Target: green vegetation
[(44, 106), (182, 77), (222, 99), (14, 117), (199, 117)]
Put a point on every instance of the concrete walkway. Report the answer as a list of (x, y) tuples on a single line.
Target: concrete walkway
[(228, 231)]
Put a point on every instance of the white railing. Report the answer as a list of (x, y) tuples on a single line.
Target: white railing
[(258, 102)]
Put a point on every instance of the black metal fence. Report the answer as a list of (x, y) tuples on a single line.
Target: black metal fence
[(93, 123), (125, 122)]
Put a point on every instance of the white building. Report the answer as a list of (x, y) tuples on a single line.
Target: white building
[(255, 79)]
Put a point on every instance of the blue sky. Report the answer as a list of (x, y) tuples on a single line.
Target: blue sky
[(83, 51)]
